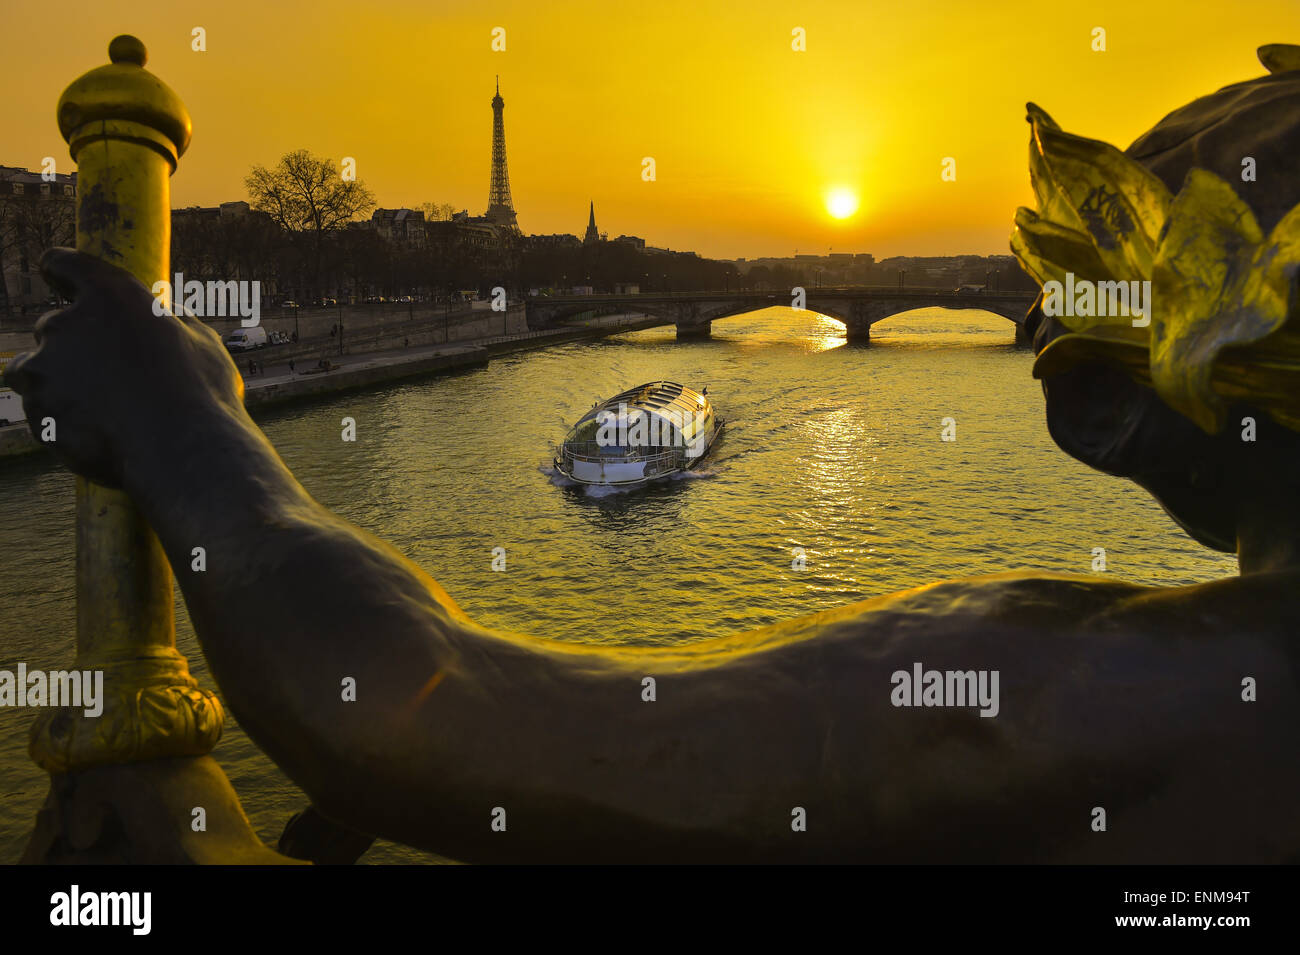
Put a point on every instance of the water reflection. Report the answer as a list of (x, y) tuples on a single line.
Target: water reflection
[(830, 449)]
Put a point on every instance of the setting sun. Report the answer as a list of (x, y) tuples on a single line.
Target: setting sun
[(841, 202)]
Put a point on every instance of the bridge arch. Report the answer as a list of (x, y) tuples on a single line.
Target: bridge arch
[(857, 308), (859, 314), (692, 316)]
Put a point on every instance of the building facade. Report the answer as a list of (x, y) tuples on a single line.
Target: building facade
[(403, 227), (37, 212)]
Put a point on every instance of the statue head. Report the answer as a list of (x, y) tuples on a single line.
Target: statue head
[(1168, 331)]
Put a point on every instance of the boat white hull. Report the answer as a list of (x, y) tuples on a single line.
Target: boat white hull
[(626, 473)]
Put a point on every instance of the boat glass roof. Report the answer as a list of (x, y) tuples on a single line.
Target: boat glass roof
[(655, 396)]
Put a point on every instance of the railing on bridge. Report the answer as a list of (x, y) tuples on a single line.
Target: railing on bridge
[(857, 307), (847, 291)]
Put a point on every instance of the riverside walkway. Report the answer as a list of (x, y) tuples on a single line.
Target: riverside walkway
[(276, 384)]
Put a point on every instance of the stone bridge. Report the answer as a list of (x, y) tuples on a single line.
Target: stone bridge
[(694, 312)]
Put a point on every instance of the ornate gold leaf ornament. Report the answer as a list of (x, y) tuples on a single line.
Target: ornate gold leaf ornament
[(1222, 293)]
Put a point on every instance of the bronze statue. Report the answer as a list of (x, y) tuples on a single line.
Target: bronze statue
[(789, 743)]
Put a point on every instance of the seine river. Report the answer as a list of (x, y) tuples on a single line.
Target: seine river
[(832, 450)]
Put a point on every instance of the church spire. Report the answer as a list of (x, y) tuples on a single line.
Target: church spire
[(592, 235)]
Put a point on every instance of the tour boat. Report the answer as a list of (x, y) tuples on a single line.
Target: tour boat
[(640, 435)]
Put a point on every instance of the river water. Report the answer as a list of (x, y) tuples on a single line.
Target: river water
[(832, 450)]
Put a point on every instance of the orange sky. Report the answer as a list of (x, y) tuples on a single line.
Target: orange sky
[(747, 134)]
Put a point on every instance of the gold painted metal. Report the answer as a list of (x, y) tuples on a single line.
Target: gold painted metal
[(126, 130), (1219, 328)]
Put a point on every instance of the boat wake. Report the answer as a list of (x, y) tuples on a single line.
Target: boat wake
[(698, 474), (597, 491), (556, 476)]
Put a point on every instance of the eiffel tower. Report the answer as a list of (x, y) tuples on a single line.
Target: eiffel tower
[(501, 210)]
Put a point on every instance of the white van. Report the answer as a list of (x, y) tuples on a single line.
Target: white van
[(11, 407), (246, 339)]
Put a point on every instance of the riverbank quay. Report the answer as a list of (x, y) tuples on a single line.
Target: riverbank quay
[(276, 383)]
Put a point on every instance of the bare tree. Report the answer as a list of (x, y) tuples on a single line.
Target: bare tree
[(8, 242), (437, 211), (29, 224), (44, 222), (307, 196)]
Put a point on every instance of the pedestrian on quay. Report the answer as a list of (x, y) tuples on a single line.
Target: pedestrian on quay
[(291, 366)]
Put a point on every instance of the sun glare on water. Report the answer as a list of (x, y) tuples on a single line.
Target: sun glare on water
[(841, 202)]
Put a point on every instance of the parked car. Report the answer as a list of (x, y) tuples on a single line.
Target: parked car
[(246, 339), (970, 290)]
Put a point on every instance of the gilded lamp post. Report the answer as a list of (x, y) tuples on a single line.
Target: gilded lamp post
[(143, 759)]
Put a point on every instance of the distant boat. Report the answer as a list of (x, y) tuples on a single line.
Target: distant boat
[(646, 433)]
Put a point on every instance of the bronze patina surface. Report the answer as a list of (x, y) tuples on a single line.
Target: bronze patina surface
[(1113, 695), (125, 784)]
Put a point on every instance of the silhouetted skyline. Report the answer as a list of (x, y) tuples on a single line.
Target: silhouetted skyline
[(748, 135)]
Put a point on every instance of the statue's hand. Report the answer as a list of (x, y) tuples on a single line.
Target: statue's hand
[(110, 372)]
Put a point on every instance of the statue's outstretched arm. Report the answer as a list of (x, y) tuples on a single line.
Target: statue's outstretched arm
[(398, 715)]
